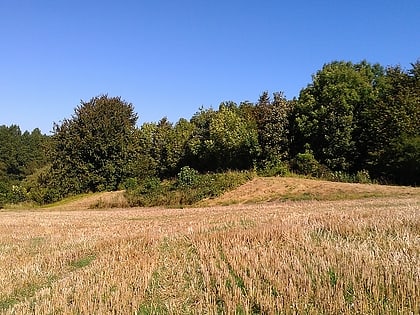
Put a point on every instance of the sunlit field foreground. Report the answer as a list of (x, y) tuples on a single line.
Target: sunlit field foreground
[(294, 257)]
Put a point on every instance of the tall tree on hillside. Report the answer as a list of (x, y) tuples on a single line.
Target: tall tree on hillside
[(197, 154), (145, 163), (393, 126), (9, 152), (20, 153), (162, 148), (34, 148), (272, 118), (222, 139), (233, 141), (178, 145), (91, 150), (328, 111)]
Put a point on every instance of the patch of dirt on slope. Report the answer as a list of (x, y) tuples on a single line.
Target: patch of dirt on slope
[(263, 189)]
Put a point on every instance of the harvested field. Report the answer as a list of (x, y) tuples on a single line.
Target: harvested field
[(359, 256)]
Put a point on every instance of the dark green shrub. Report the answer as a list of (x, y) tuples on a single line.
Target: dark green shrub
[(363, 177), (150, 184), (51, 195), (187, 177), (17, 194), (340, 176), (401, 162), (37, 194), (213, 185), (4, 189), (189, 188), (271, 168), (146, 193), (306, 164), (129, 183)]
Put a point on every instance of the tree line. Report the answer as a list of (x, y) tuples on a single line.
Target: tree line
[(359, 120)]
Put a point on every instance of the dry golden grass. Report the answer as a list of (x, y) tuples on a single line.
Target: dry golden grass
[(262, 189), (100, 200), (294, 257)]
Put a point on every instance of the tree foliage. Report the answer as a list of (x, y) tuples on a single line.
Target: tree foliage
[(20, 153), (392, 120), (272, 118), (222, 139), (354, 116), (354, 120), (90, 151), (328, 110)]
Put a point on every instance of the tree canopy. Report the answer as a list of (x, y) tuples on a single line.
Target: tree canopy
[(352, 118), (91, 150)]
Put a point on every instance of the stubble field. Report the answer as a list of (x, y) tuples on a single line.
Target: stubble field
[(359, 256)]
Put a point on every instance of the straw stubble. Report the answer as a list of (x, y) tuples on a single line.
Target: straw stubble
[(358, 256)]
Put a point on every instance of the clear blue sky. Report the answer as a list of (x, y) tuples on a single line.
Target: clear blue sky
[(170, 57)]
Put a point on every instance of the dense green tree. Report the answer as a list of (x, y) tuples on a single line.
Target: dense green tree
[(20, 153), (246, 110), (144, 164), (162, 148), (233, 142), (352, 117), (92, 149), (392, 123), (198, 156), (34, 151), (222, 139), (181, 136), (9, 152), (361, 116), (328, 111), (272, 118), (161, 151), (400, 162)]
